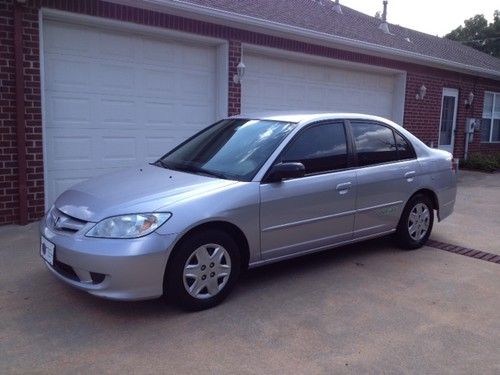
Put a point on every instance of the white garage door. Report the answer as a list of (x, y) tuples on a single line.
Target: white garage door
[(280, 84), (117, 99)]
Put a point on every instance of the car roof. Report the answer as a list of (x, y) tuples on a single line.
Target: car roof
[(305, 116)]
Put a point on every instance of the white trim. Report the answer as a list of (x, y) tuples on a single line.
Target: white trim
[(399, 94), (292, 55), (212, 15), (111, 24), (493, 118), (399, 97), (221, 77), (221, 45), (453, 93)]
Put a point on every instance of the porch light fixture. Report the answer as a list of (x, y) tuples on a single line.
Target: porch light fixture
[(240, 69), (421, 93), (469, 100)]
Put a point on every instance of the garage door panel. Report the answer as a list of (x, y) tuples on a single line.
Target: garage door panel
[(60, 38), (159, 114), (159, 146), (160, 82), (277, 84), (66, 72), (119, 151), (118, 112), (196, 83), (116, 76), (193, 115), (66, 111), (117, 46), (72, 150), (156, 52), (118, 99)]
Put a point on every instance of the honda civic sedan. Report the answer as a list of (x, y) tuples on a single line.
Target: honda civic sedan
[(245, 192)]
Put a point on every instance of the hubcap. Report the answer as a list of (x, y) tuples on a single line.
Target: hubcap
[(207, 271), (418, 221)]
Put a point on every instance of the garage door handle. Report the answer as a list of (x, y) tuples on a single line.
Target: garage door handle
[(410, 176), (344, 187)]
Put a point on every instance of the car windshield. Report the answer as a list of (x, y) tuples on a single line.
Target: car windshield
[(231, 149)]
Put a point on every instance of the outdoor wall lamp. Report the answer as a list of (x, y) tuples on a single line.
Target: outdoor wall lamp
[(240, 69), (469, 100), (421, 93)]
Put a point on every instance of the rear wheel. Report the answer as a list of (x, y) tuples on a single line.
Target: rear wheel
[(415, 224), (203, 270)]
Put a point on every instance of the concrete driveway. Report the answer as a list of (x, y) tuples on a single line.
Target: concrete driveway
[(366, 308), (476, 220)]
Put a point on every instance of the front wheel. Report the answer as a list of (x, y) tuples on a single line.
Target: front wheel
[(415, 224), (203, 270)]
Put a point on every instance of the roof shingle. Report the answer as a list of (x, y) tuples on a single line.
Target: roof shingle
[(320, 17)]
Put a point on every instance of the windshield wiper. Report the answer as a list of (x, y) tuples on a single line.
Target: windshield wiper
[(190, 168), (160, 163), (205, 172)]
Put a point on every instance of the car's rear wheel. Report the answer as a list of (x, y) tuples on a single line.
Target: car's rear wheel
[(203, 270), (415, 224)]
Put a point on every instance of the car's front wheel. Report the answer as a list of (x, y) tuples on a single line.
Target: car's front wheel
[(416, 223), (203, 270)]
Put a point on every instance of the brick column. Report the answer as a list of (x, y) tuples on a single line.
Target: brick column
[(33, 113), (234, 93)]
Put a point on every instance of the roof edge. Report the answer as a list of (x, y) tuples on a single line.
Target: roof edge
[(212, 15)]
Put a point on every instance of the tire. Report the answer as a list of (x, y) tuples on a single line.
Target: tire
[(415, 224), (203, 270)]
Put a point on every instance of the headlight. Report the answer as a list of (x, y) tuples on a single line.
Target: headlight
[(128, 226)]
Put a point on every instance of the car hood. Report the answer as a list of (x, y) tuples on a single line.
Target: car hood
[(136, 190)]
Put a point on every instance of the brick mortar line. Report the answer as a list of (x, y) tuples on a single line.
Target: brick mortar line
[(465, 251)]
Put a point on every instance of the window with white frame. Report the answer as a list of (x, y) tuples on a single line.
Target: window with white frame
[(490, 123)]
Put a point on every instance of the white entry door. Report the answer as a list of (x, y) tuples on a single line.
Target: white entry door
[(448, 119)]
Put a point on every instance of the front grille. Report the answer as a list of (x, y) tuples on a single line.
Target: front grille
[(61, 222)]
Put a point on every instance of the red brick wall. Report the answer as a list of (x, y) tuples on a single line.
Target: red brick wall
[(421, 117), (8, 159)]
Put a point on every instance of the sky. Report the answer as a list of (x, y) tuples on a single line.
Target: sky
[(436, 17)]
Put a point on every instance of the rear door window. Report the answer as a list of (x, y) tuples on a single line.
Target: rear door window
[(375, 143)]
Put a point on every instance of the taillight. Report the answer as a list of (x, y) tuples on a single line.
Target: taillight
[(454, 165)]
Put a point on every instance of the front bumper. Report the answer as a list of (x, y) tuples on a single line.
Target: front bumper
[(121, 269)]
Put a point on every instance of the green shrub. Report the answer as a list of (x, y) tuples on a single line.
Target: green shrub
[(482, 162)]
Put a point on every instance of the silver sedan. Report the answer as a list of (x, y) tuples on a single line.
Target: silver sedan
[(244, 192)]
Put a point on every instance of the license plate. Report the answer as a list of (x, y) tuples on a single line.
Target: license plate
[(47, 250)]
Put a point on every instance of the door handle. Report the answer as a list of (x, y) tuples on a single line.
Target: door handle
[(410, 176), (344, 187)]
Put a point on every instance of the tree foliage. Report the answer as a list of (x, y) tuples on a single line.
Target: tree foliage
[(478, 34)]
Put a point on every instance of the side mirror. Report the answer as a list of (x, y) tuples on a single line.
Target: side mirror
[(283, 171)]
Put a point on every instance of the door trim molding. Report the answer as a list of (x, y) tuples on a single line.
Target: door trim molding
[(308, 221)]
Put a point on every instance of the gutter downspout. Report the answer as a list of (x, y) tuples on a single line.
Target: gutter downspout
[(20, 118)]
